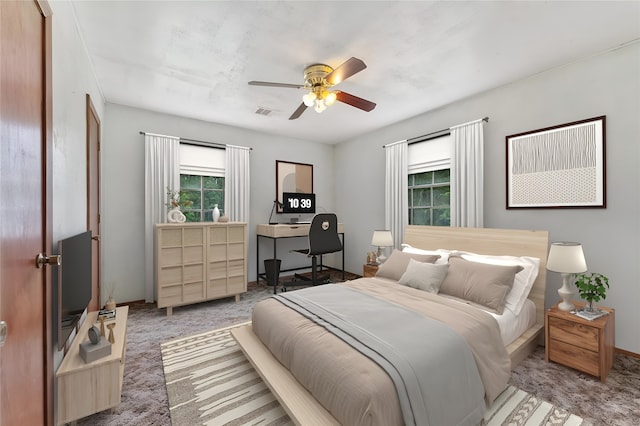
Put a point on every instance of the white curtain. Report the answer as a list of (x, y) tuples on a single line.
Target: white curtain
[(162, 171), (396, 190), (237, 183), (467, 175)]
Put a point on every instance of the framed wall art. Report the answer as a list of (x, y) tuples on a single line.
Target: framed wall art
[(558, 167), (293, 177)]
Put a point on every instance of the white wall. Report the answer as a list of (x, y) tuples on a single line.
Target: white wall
[(123, 187), (72, 79), (606, 84)]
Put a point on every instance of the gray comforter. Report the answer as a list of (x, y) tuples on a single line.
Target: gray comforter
[(427, 361), (353, 387)]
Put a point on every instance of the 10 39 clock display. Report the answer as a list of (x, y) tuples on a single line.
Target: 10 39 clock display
[(296, 202)]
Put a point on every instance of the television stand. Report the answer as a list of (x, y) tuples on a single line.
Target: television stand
[(87, 388)]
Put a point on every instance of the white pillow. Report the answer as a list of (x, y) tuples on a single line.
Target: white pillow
[(424, 276), (444, 254), (523, 279)]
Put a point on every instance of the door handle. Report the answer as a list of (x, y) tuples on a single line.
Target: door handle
[(3, 332), (42, 259), (96, 237)]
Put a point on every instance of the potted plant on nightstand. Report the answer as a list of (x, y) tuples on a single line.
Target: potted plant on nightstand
[(592, 288)]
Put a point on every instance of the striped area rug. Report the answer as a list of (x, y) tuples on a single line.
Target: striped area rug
[(210, 382)]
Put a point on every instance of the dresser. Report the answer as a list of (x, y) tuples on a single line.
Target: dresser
[(200, 261), (585, 345)]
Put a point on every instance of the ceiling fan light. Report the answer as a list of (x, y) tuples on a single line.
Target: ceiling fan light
[(330, 98), (309, 99), (320, 106)]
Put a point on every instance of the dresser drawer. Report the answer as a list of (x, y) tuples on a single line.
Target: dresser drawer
[(575, 333), (574, 356)]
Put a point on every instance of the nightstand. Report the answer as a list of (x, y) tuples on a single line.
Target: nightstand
[(369, 269), (585, 345)]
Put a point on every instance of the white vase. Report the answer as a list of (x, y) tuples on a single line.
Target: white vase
[(216, 213)]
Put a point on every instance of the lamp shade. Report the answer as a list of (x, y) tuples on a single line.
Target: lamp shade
[(566, 257), (382, 238)]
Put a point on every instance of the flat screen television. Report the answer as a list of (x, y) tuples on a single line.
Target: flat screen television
[(74, 283), (297, 202)]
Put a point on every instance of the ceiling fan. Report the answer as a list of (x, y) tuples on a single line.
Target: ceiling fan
[(318, 80)]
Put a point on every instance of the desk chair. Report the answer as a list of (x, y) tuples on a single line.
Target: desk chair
[(323, 239)]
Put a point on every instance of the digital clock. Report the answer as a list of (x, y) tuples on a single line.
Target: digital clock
[(297, 202)]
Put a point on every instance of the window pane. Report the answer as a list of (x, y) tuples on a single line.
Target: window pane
[(441, 176), (192, 215), (213, 197), (423, 178), (429, 201), (421, 217), (441, 196), (204, 192), (213, 182), (441, 217), (190, 195), (422, 197), (190, 182)]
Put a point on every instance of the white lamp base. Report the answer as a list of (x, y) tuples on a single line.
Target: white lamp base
[(380, 256), (566, 294)]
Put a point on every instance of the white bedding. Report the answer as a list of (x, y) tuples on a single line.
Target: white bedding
[(511, 325)]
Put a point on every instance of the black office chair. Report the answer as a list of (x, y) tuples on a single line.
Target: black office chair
[(323, 239)]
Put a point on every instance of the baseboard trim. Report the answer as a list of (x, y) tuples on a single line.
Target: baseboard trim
[(627, 353)]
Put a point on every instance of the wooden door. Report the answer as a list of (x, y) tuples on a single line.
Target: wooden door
[(93, 200), (26, 364)]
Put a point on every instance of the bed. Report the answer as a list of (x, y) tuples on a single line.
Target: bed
[(284, 367)]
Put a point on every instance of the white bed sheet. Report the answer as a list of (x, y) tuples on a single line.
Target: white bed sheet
[(512, 325)]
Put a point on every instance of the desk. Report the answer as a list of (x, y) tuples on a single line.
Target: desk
[(275, 232)]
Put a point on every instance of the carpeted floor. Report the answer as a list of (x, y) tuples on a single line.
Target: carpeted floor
[(144, 397)]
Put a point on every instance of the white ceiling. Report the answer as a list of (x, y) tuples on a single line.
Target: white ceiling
[(194, 59)]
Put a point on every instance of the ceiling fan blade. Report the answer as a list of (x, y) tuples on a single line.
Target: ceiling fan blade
[(298, 112), (355, 101), (269, 84), (348, 68)]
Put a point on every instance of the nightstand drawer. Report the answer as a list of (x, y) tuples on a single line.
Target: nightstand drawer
[(575, 333), (573, 356)]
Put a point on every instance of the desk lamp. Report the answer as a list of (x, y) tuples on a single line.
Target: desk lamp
[(382, 238), (275, 203), (566, 258)]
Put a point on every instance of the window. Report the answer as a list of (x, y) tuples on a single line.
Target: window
[(429, 182), (429, 198), (201, 181), (204, 192)]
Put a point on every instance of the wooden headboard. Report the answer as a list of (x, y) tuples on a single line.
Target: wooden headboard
[(511, 242)]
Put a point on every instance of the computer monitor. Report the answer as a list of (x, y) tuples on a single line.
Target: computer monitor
[(297, 202)]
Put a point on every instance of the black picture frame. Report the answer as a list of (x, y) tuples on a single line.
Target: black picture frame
[(293, 177), (562, 166)]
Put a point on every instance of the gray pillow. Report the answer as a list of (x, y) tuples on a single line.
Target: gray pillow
[(481, 283), (396, 264), (424, 276)]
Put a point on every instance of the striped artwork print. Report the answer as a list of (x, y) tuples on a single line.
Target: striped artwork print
[(210, 382), (558, 167)]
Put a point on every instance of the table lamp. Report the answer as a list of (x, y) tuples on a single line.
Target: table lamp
[(382, 238), (566, 258)]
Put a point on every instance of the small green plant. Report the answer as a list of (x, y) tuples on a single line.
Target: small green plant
[(592, 287)]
